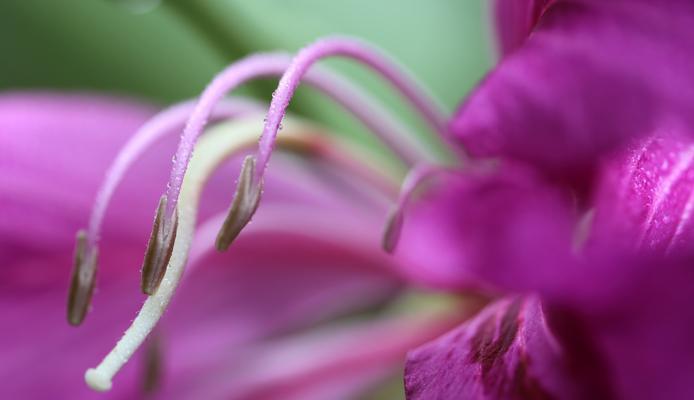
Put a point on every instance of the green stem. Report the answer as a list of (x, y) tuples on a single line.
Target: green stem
[(219, 31)]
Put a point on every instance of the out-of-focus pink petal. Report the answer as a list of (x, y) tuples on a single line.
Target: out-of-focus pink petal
[(507, 228), (646, 195), (592, 75), (229, 300), (55, 150), (335, 361), (249, 293), (514, 20), (42, 356), (506, 352), (637, 335)]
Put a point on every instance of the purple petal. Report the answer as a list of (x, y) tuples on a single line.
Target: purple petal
[(592, 75), (229, 301), (506, 228), (505, 352), (339, 360), (55, 150), (646, 195), (638, 334), (515, 19)]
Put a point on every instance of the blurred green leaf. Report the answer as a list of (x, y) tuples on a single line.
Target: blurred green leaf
[(443, 42), (100, 45), (171, 52)]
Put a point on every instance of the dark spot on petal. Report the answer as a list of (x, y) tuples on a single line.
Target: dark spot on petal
[(584, 361), (525, 386), (488, 350)]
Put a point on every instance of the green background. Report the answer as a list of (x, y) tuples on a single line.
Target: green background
[(168, 51)]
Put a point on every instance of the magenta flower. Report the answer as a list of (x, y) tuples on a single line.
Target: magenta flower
[(574, 213), (224, 340), (211, 344), (580, 213)]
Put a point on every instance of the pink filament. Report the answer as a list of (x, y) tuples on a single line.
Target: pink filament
[(162, 124), (359, 51), (274, 64), (414, 180)]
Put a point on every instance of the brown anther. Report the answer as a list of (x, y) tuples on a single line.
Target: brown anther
[(244, 205), (83, 280), (159, 249), (391, 233), (153, 365)]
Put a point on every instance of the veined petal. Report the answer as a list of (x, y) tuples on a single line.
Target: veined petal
[(646, 195), (506, 352), (593, 75)]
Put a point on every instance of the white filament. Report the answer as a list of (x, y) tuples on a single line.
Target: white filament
[(213, 148)]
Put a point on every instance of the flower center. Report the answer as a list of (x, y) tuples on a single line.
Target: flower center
[(174, 224)]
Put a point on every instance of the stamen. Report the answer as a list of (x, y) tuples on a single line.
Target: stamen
[(164, 123), (272, 64), (157, 128), (360, 52), (213, 149), (246, 200), (159, 249), (391, 233), (153, 365), (414, 179), (83, 280), (289, 82)]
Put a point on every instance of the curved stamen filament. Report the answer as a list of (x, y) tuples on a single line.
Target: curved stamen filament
[(164, 123), (213, 149), (260, 65), (241, 213), (413, 181), (359, 51)]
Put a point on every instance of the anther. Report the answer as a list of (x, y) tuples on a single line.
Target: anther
[(83, 279), (391, 233), (153, 365), (412, 182), (244, 205), (159, 249)]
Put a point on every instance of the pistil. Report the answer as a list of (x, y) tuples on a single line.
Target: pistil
[(213, 149), (164, 123)]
